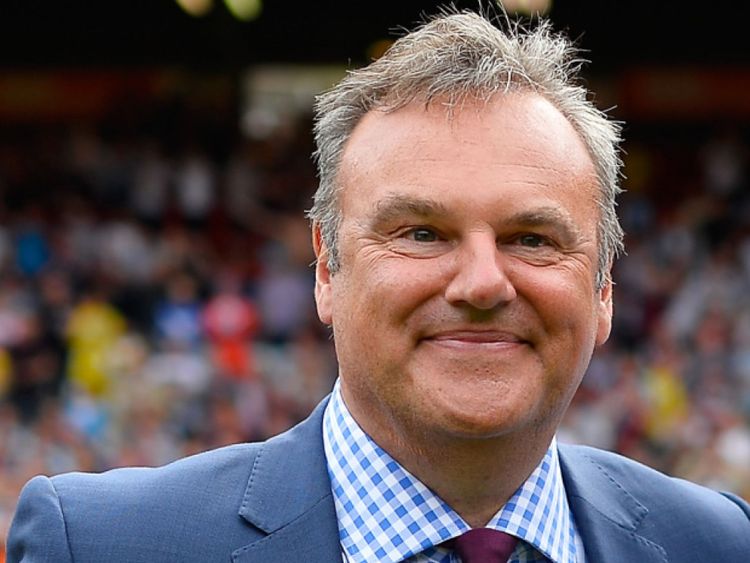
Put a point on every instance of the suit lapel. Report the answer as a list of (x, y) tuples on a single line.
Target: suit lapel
[(607, 516), (289, 498)]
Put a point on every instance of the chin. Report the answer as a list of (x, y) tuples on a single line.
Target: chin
[(481, 426)]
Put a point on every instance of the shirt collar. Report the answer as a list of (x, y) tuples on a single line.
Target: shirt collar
[(387, 514)]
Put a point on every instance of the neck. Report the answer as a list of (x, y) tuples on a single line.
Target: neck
[(474, 476)]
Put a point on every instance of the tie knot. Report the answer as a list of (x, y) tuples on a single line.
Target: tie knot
[(484, 545)]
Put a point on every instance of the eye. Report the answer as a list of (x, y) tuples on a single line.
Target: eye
[(531, 240), (422, 234), (420, 242)]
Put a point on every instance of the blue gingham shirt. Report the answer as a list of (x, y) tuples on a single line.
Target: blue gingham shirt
[(385, 514)]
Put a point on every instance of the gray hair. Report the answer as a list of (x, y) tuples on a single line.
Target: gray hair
[(455, 56)]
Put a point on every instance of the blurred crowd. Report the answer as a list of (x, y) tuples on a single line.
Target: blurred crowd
[(672, 386), (156, 301)]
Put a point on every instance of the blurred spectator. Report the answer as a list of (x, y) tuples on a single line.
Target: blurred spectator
[(36, 364), (243, 181), (725, 163), (149, 198), (177, 316), (31, 245), (231, 321), (285, 285), (195, 187), (93, 329)]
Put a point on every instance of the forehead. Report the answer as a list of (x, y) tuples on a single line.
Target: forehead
[(516, 139)]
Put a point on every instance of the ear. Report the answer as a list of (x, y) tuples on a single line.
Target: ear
[(604, 313), (322, 277)]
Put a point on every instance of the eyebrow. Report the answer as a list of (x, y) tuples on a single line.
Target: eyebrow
[(548, 217), (394, 206), (544, 216)]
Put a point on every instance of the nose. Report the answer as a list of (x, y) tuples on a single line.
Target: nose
[(480, 279)]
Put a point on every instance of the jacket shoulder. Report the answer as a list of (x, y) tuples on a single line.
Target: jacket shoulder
[(146, 509), (678, 511), (206, 507), (655, 483), (211, 469)]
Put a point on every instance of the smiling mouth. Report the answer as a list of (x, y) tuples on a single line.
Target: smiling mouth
[(475, 339)]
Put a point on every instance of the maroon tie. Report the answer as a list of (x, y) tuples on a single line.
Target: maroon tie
[(484, 545)]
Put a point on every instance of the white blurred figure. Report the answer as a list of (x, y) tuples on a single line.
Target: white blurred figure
[(195, 188), (242, 183), (150, 192), (724, 161), (125, 251)]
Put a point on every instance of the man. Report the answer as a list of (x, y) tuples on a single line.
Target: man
[(465, 229)]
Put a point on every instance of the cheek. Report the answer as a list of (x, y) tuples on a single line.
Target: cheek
[(359, 300), (559, 305), (392, 284), (569, 311), (565, 296)]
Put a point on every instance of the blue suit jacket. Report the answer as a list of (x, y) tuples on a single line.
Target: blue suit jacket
[(271, 502)]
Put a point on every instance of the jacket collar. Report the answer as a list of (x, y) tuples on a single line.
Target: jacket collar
[(289, 497), (608, 517)]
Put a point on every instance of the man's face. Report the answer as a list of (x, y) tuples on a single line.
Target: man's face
[(465, 305)]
